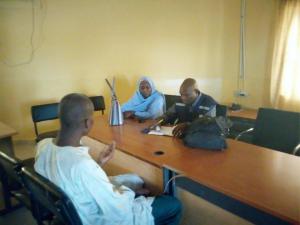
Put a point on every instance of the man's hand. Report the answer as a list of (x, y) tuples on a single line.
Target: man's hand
[(107, 154), (180, 129), (128, 114)]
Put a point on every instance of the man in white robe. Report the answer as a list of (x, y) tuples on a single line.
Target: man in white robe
[(76, 169)]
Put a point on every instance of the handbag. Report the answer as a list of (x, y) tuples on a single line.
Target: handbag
[(208, 133)]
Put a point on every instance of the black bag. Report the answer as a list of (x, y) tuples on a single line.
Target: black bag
[(208, 132)]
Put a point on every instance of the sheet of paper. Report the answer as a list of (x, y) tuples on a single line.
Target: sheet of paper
[(163, 130)]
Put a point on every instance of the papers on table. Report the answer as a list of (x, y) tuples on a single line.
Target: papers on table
[(162, 130)]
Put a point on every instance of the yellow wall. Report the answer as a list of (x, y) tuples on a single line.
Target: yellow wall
[(79, 43)]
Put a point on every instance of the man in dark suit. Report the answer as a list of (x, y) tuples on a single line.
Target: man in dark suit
[(194, 104)]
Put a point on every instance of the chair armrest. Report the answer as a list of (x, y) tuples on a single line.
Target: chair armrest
[(244, 132), (296, 149)]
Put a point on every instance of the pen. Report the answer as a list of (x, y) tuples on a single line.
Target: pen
[(156, 124), (176, 121)]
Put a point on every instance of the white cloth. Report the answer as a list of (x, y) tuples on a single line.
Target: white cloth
[(133, 181), (96, 199)]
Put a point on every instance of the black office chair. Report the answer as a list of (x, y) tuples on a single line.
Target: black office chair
[(171, 100), (276, 129), (297, 150), (221, 110), (12, 186), (46, 194), (242, 126), (11, 183), (99, 104), (41, 113)]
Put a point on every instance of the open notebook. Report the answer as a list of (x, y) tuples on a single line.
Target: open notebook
[(162, 130)]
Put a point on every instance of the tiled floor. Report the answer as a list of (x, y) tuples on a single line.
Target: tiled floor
[(20, 216)]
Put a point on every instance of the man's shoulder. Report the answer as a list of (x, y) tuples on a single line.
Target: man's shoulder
[(43, 145), (67, 153), (207, 99), (208, 96), (44, 142)]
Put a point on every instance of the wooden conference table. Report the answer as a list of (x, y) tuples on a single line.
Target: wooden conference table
[(6, 134), (244, 113), (256, 183)]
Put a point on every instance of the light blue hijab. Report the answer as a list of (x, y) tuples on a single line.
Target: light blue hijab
[(138, 103)]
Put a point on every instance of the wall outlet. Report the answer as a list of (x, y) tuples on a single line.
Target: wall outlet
[(241, 93)]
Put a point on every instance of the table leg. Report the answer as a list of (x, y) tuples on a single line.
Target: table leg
[(168, 184), (6, 146), (232, 205)]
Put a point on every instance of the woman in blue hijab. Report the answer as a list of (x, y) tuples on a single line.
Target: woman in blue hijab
[(146, 103)]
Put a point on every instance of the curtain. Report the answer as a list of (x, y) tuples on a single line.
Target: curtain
[(285, 68)]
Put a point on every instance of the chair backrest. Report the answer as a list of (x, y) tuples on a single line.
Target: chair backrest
[(240, 124), (99, 104), (43, 112), (221, 110), (48, 195), (171, 100), (277, 129)]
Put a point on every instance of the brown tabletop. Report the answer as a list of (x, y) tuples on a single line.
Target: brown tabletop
[(260, 177), (244, 113), (6, 131), (6, 144)]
